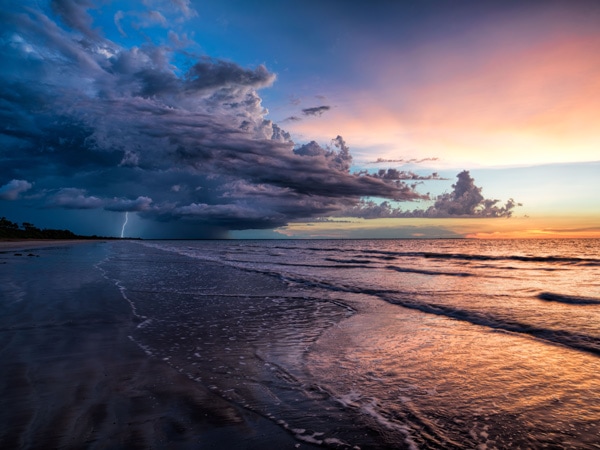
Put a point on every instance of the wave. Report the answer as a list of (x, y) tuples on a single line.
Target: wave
[(575, 341), (569, 339), (547, 259), (348, 261), (569, 299), (343, 265), (429, 272), (389, 254)]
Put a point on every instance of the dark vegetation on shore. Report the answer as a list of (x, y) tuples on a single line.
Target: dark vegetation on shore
[(12, 230)]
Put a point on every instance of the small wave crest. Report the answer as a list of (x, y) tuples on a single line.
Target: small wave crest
[(429, 272), (569, 299), (521, 258)]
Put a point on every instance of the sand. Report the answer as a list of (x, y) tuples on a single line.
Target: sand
[(25, 244), (71, 378)]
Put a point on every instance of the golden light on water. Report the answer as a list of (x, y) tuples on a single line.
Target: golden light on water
[(437, 369)]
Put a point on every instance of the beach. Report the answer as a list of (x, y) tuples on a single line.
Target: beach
[(17, 244), (357, 344), (71, 377)]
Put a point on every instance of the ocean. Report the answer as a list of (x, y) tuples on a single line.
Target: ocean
[(415, 344)]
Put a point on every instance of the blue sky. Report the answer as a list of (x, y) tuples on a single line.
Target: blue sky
[(302, 119)]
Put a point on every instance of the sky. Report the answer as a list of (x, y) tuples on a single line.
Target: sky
[(312, 119)]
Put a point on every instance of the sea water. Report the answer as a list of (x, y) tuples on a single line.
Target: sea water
[(381, 343)]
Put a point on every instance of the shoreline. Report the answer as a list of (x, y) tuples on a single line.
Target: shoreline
[(26, 244)]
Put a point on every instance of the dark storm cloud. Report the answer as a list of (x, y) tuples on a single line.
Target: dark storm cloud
[(316, 110), (465, 200), (94, 125)]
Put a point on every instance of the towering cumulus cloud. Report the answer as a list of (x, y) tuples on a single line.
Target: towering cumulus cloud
[(156, 130), (465, 200)]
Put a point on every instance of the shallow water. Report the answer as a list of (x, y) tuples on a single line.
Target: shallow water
[(378, 343)]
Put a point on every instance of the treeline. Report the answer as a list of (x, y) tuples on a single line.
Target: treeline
[(12, 230)]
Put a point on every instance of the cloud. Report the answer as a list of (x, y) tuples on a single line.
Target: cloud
[(402, 161), (340, 160), (74, 14), (117, 18), (12, 189), (185, 7), (394, 175), (316, 110), (73, 198), (122, 126), (139, 204), (210, 74), (76, 198), (138, 20), (465, 200)]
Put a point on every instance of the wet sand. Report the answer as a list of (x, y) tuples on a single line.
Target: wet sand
[(25, 244), (71, 378)]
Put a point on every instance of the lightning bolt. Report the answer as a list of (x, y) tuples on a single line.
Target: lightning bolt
[(124, 223)]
